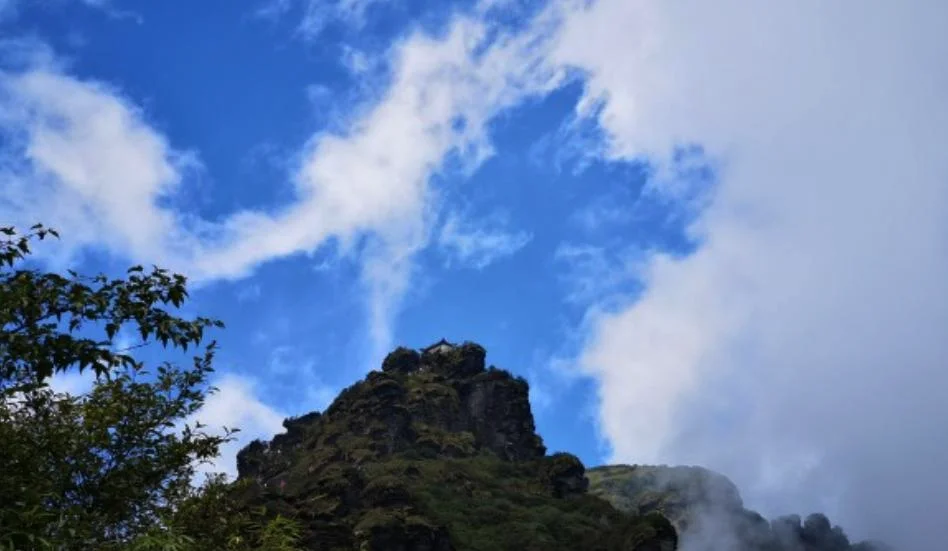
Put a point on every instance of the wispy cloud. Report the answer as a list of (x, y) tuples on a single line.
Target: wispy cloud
[(478, 244), (248, 293), (86, 159), (284, 360), (79, 155), (295, 375), (315, 15), (603, 213), (572, 147), (597, 273)]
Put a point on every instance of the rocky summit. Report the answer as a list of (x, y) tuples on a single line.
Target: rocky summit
[(435, 452), (439, 452)]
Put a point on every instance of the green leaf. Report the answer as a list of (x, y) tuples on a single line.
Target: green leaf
[(66, 476)]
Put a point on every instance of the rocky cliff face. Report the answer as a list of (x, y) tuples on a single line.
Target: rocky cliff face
[(435, 452), (681, 493), (707, 510), (445, 404)]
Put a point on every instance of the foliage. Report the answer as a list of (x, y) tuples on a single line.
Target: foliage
[(40, 314), (106, 466), (279, 534), (487, 503), (110, 469)]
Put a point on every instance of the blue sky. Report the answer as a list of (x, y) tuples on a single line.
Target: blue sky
[(495, 271), (667, 216)]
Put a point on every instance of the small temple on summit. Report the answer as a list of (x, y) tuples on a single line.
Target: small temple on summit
[(439, 347)]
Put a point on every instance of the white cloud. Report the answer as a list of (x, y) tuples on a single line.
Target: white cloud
[(292, 366), (549, 380), (10, 9), (801, 349), (319, 14), (79, 157), (286, 359), (236, 405), (595, 273), (248, 293), (541, 397), (572, 147), (475, 244), (72, 382), (85, 160), (603, 213)]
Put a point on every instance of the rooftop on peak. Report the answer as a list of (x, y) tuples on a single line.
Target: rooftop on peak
[(439, 347)]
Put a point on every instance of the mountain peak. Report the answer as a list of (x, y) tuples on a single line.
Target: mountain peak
[(435, 452)]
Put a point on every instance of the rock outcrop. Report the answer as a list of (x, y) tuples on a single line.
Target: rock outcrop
[(707, 510), (434, 452)]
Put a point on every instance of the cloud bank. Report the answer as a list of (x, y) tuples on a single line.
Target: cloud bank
[(801, 349)]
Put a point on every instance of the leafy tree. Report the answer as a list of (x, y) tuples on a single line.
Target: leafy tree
[(110, 469), (40, 314)]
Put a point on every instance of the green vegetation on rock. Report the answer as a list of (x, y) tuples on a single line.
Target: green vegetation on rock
[(435, 452), (708, 512)]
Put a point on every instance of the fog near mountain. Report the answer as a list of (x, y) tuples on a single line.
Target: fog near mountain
[(709, 513), (801, 350)]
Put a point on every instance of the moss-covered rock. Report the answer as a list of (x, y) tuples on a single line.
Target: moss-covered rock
[(432, 453), (677, 492), (565, 474), (402, 360), (251, 459), (706, 509), (388, 530), (386, 491)]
